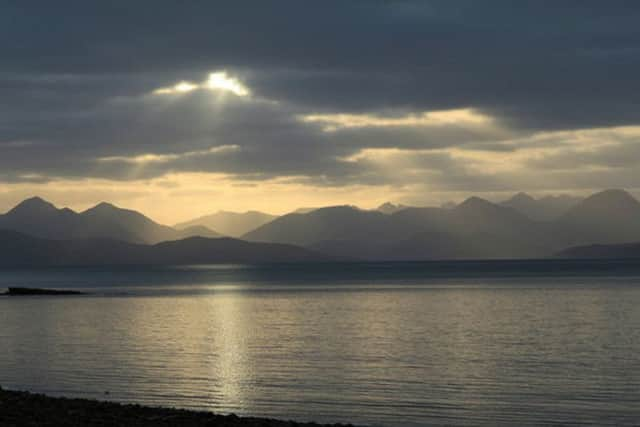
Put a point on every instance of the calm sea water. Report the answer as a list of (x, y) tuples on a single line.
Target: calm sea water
[(393, 344)]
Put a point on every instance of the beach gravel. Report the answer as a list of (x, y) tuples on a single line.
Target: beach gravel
[(18, 408)]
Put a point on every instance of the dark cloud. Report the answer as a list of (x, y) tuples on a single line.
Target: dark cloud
[(371, 55), (77, 76)]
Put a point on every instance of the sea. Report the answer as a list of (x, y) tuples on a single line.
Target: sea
[(549, 342)]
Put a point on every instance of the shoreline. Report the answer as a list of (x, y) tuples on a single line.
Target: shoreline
[(23, 408)]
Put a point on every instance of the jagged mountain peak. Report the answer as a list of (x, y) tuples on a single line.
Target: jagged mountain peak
[(33, 204), (521, 197), (475, 202), (613, 201), (613, 195), (105, 207)]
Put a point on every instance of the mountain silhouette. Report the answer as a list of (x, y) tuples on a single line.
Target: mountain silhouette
[(523, 203), (232, 224), (19, 249), (443, 246), (543, 209), (489, 229), (610, 216), (198, 231), (479, 215), (623, 250), (40, 218), (475, 228), (331, 223)]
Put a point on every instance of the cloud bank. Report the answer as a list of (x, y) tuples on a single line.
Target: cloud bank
[(412, 99)]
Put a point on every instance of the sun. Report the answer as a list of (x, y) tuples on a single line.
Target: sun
[(218, 81), (221, 81)]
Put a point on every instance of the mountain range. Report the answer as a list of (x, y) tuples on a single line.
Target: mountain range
[(543, 209), (40, 218), (473, 229), (20, 250), (232, 224), (619, 251)]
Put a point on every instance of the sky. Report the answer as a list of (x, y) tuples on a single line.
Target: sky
[(179, 109)]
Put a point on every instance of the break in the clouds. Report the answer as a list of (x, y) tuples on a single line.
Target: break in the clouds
[(409, 98), (218, 81)]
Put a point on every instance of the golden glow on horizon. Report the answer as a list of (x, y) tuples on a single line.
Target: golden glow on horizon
[(178, 197), (409, 176), (217, 81), (184, 196)]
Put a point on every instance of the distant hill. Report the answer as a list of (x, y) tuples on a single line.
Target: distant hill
[(625, 250), (412, 233), (475, 228), (19, 249), (197, 231), (542, 209), (39, 218), (443, 246), (336, 222), (232, 224), (610, 216)]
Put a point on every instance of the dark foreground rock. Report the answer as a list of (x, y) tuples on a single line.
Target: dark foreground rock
[(29, 409), (36, 291)]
